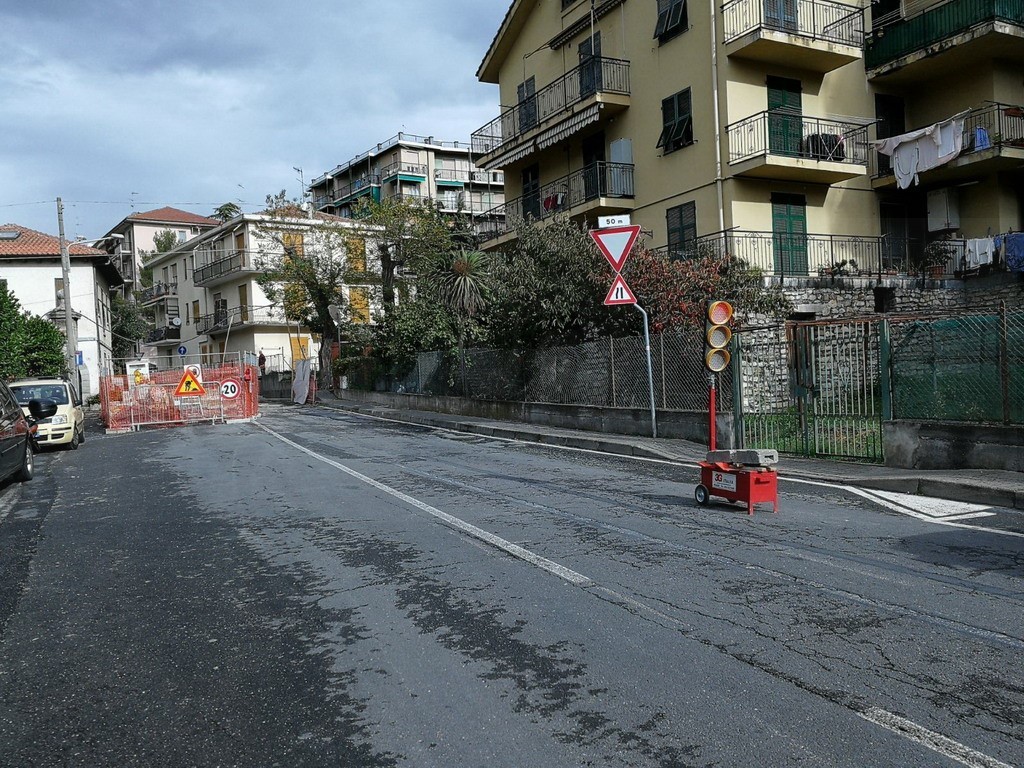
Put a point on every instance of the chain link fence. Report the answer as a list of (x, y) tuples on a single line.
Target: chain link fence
[(605, 373), (967, 368)]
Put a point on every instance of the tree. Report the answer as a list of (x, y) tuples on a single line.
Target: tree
[(227, 211), (163, 241), (29, 345), (302, 266), (128, 325)]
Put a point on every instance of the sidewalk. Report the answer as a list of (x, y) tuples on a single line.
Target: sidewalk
[(979, 486)]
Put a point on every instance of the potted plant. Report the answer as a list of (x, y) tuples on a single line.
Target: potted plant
[(935, 257)]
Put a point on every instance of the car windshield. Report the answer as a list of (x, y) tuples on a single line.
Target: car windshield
[(25, 392)]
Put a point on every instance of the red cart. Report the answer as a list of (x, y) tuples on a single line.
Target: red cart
[(731, 478)]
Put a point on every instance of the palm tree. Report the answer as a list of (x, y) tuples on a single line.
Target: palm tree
[(462, 281)]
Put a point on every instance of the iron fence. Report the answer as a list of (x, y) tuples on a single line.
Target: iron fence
[(791, 134), (816, 19), (968, 368)]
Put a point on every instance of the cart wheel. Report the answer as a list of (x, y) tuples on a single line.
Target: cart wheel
[(701, 494)]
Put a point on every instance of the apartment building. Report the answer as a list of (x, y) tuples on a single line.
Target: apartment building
[(752, 126), (207, 301), (132, 239), (417, 168)]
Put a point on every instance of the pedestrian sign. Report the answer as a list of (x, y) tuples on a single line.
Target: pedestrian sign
[(616, 243), (619, 294), (189, 386)]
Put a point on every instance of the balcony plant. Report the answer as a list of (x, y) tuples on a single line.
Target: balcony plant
[(935, 257)]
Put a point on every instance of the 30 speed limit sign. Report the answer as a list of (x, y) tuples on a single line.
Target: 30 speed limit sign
[(230, 389)]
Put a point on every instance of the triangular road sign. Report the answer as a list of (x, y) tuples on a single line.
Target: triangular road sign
[(189, 386), (619, 294), (616, 243)]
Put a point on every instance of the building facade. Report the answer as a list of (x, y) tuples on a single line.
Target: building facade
[(207, 301), (752, 126), (30, 266), (416, 168)]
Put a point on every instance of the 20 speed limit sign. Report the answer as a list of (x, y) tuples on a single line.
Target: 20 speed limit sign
[(230, 389)]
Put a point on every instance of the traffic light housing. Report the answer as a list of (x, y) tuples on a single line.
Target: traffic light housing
[(717, 334)]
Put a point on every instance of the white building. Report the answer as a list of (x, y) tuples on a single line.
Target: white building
[(30, 266)]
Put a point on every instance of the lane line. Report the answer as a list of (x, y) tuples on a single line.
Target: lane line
[(494, 540), (930, 739)]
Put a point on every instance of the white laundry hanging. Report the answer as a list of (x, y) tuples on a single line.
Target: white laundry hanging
[(923, 149)]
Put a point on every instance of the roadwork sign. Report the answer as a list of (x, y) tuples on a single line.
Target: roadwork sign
[(619, 294), (616, 243), (189, 386)]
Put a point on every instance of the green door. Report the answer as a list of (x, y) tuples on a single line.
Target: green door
[(789, 234), (785, 125)]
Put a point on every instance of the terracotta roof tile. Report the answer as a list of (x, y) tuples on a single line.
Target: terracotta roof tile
[(175, 216), (29, 242)]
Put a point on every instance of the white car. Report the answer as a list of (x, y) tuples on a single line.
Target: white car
[(67, 425)]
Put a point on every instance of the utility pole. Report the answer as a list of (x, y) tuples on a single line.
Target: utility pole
[(71, 336)]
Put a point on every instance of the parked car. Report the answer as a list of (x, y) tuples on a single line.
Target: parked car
[(67, 425), (17, 444)]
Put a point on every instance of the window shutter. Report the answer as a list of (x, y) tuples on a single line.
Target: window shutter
[(668, 118), (674, 225)]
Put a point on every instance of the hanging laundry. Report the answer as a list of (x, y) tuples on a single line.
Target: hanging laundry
[(979, 252), (1013, 253), (923, 149)]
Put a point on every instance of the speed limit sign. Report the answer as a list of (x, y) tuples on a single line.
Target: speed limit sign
[(230, 389)]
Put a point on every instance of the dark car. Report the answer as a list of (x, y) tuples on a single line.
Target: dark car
[(16, 443)]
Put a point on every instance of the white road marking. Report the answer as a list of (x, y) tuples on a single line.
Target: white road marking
[(930, 739), (935, 508), (494, 540)]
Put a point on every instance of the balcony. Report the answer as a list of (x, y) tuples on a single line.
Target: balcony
[(993, 141), (452, 177), (368, 185), (595, 90), (157, 292), (404, 172), (817, 35), (951, 37), (788, 146), (597, 189), (795, 255), (159, 336), (223, 269), (221, 320)]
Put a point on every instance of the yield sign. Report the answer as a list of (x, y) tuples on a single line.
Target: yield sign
[(189, 385), (616, 243), (619, 294)]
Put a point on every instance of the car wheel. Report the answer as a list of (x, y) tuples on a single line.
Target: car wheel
[(81, 437), (27, 464), (73, 445)]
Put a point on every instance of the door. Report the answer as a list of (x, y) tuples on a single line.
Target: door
[(895, 236), (789, 234), (531, 192), (781, 15), (593, 167), (890, 111), (785, 124), (620, 173), (590, 66), (243, 303), (526, 93)]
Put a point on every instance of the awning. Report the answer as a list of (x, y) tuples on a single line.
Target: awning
[(509, 157), (568, 127)]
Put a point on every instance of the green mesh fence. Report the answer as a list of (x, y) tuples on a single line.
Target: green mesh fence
[(968, 368)]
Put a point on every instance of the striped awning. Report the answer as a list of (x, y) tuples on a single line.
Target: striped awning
[(509, 157), (568, 127)]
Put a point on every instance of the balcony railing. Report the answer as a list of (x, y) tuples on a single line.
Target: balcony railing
[(412, 169), (596, 75), (814, 19), (474, 177), (235, 316), (597, 180), (235, 261), (345, 190), (789, 134), (902, 38), (168, 333), (159, 291), (803, 255)]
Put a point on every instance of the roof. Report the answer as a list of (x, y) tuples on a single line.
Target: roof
[(29, 242), (511, 25), (168, 215)]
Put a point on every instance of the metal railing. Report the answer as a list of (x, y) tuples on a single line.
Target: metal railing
[(400, 137), (235, 261), (596, 75), (790, 134), (594, 181), (244, 315), (894, 41), (167, 333), (827, 255), (358, 185), (474, 177), (815, 19), (414, 169), (158, 291)]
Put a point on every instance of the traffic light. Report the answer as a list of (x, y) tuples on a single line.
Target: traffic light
[(717, 335)]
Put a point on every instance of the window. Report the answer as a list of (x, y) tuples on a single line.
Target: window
[(182, 235), (356, 251), (195, 312), (526, 96), (58, 290), (359, 304), (672, 20), (681, 223), (677, 122), (293, 243)]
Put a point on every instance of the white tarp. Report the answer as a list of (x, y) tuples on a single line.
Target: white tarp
[(300, 384)]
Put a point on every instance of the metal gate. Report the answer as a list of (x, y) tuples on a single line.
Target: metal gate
[(812, 388)]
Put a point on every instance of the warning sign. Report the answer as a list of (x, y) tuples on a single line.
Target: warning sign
[(619, 294), (189, 386)]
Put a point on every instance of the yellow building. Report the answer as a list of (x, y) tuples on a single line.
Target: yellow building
[(749, 125)]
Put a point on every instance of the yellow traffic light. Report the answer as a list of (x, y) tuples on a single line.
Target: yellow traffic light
[(717, 335)]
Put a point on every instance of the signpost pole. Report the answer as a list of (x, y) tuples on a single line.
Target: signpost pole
[(712, 416), (650, 372)]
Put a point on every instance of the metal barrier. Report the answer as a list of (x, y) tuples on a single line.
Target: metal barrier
[(131, 402)]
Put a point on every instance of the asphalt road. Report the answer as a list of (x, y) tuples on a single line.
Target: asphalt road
[(320, 588)]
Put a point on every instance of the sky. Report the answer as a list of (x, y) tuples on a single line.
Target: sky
[(122, 106)]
